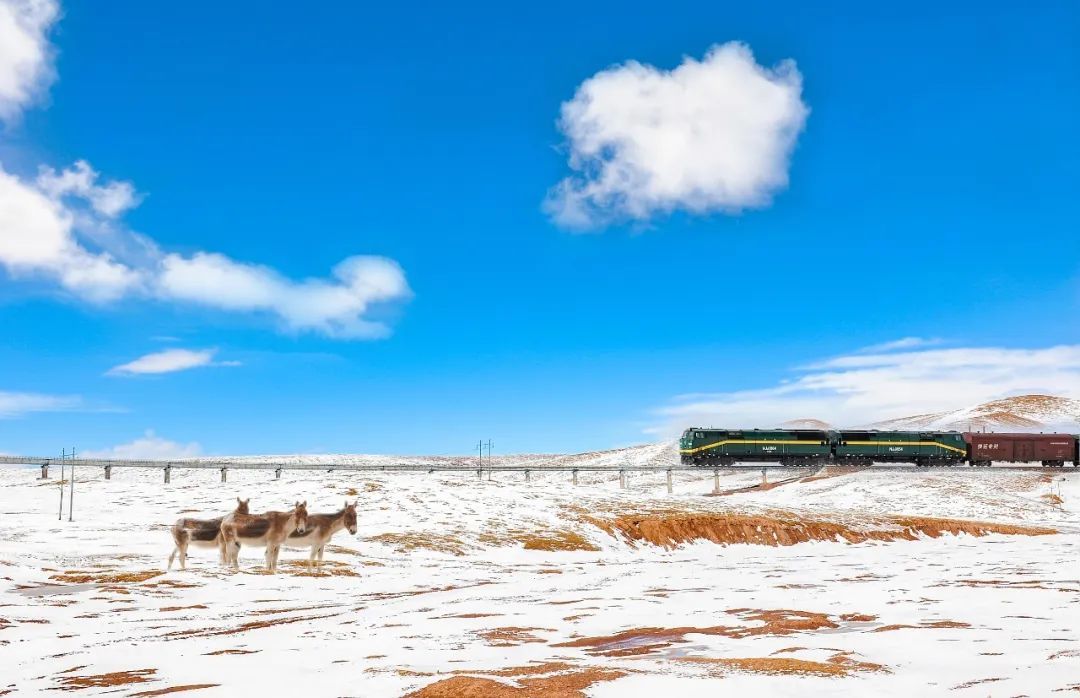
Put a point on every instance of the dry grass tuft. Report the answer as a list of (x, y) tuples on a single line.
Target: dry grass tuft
[(510, 636), (558, 540), (670, 530), (78, 577), (408, 542)]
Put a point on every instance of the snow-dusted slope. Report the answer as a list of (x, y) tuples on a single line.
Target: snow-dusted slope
[(460, 586)]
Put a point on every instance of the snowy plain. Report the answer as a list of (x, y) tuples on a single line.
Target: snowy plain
[(456, 585)]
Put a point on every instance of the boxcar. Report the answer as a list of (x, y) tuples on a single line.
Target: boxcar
[(700, 446), (1048, 449), (918, 447)]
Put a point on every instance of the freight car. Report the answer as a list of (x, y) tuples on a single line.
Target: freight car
[(700, 446), (1051, 450)]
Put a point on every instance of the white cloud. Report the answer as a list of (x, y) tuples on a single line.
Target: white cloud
[(859, 389), (26, 68), (709, 135), (335, 308), (88, 254), (109, 199), (149, 447), (37, 237), (169, 361), (17, 404)]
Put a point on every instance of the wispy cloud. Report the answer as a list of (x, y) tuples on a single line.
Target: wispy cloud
[(862, 388), (16, 404), (169, 361), (710, 135), (902, 343), (149, 446)]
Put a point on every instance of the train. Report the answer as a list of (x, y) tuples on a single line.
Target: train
[(859, 447)]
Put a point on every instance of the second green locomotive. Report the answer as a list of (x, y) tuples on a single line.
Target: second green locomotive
[(699, 446)]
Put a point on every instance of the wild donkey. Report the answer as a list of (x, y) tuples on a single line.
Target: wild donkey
[(201, 533), (262, 530), (320, 528)]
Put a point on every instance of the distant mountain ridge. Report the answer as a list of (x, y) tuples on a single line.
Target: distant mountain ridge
[(1024, 413), (1019, 413)]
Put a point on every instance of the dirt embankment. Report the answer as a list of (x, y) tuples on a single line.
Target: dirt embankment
[(670, 530)]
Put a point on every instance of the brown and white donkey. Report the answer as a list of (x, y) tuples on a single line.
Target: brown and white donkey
[(201, 533), (267, 530), (320, 529)]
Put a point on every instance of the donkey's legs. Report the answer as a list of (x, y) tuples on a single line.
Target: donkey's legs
[(322, 549), (232, 547), (311, 558), (171, 556)]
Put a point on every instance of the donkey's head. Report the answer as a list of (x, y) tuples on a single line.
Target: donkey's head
[(242, 505), (300, 512), (350, 516)]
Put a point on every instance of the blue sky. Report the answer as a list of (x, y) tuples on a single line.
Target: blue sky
[(930, 193)]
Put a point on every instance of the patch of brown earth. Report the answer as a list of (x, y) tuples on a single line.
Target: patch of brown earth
[(471, 615), (840, 664), (931, 624), (569, 685), (181, 608), (670, 530), (174, 689), (116, 678), (1053, 499), (220, 652), (857, 617), (77, 577), (510, 636), (558, 540), (644, 640)]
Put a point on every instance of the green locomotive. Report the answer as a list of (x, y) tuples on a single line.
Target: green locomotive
[(699, 446), (724, 447)]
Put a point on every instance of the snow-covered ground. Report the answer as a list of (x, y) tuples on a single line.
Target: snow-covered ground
[(459, 586)]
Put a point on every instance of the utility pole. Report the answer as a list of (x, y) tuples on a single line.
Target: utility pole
[(71, 494), (63, 456), (480, 448)]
